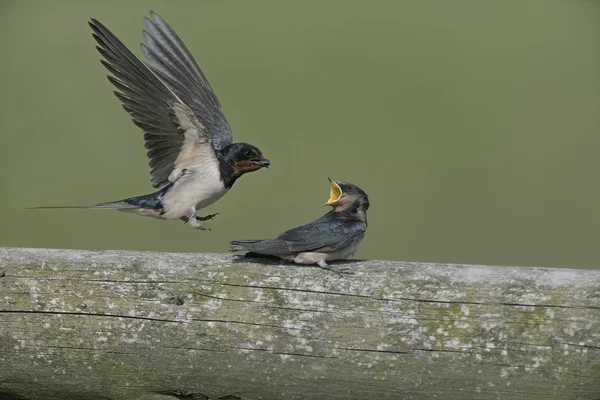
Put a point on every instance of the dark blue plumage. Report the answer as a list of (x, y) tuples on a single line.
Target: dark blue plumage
[(334, 236), (150, 201), (332, 232)]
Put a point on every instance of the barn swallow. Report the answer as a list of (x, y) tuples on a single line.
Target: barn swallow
[(192, 158), (334, 236)]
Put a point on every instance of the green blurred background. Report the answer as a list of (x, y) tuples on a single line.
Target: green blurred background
[(472, 125)]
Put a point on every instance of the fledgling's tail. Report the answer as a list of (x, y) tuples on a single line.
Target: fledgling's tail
[(241, 245)]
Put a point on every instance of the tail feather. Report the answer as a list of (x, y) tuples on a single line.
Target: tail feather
[(119, 205), (113, 205), (148, 204), (241, 245), (49, 207)]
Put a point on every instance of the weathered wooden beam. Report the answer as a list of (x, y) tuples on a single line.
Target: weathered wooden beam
[(132, 325)]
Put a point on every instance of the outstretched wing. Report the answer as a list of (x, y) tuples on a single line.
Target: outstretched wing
[(331, 232), (170, 59), (174, 137)]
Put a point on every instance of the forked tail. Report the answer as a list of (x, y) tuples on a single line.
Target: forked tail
[(114, 205), (138, 204), (150, 201)]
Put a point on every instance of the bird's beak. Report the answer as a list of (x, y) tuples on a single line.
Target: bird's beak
[(263, 162), (335, 192)]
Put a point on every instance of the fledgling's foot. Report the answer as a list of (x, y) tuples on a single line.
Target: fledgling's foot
[(207, 218), (338, 271)]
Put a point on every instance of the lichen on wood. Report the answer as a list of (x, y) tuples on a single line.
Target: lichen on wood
[(139, 325)]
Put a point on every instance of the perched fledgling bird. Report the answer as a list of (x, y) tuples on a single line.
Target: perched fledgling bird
[(190, 149), (334, 236)]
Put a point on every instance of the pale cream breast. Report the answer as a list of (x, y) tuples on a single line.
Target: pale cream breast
[(314, 257), (198, 188)]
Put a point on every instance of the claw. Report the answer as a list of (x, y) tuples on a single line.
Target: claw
[(340, 272), (208, 217)]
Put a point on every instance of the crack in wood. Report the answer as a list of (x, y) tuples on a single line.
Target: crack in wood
[(587, 346), (267, 305), (397, 299), (226, 321), (530, 344), (295, 290), (443, 350), (80, 348), (373, 350), (41, 278), (490, 303), (90, 315), (194, 348), (282, 352)]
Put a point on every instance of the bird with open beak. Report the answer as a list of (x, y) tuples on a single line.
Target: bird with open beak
[(193, 160), (334, 236)]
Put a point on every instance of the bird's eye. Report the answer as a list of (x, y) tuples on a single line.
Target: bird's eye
[(247, 153)]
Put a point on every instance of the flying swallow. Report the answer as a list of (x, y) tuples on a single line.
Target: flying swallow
[(192, 158), (334, 236)]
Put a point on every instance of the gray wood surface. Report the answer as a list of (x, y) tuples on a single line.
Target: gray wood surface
[(160, 326)]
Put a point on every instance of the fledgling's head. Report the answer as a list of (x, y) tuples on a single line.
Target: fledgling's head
[(343, 195), (244, 158)]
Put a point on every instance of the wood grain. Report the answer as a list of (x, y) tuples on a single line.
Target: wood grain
[(139, 325)]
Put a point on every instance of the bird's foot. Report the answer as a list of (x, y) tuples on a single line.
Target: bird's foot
[(194, 223), (207, 218), (339, 271)]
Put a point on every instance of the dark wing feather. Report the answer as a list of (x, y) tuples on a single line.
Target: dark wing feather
[(329, 233), (153, 106), (170, 59)]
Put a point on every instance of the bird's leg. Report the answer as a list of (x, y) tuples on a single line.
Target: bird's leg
[(208, 217), (340, 271), (193, 220)]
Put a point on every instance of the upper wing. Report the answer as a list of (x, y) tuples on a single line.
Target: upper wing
[(173, 63), (329, 233), (174, 137)]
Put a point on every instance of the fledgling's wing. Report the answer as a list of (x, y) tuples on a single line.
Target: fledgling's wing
[(330, 233), (174, 137), (173, 63)]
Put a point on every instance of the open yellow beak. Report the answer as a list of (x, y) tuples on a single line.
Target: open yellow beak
[(334, 192)]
